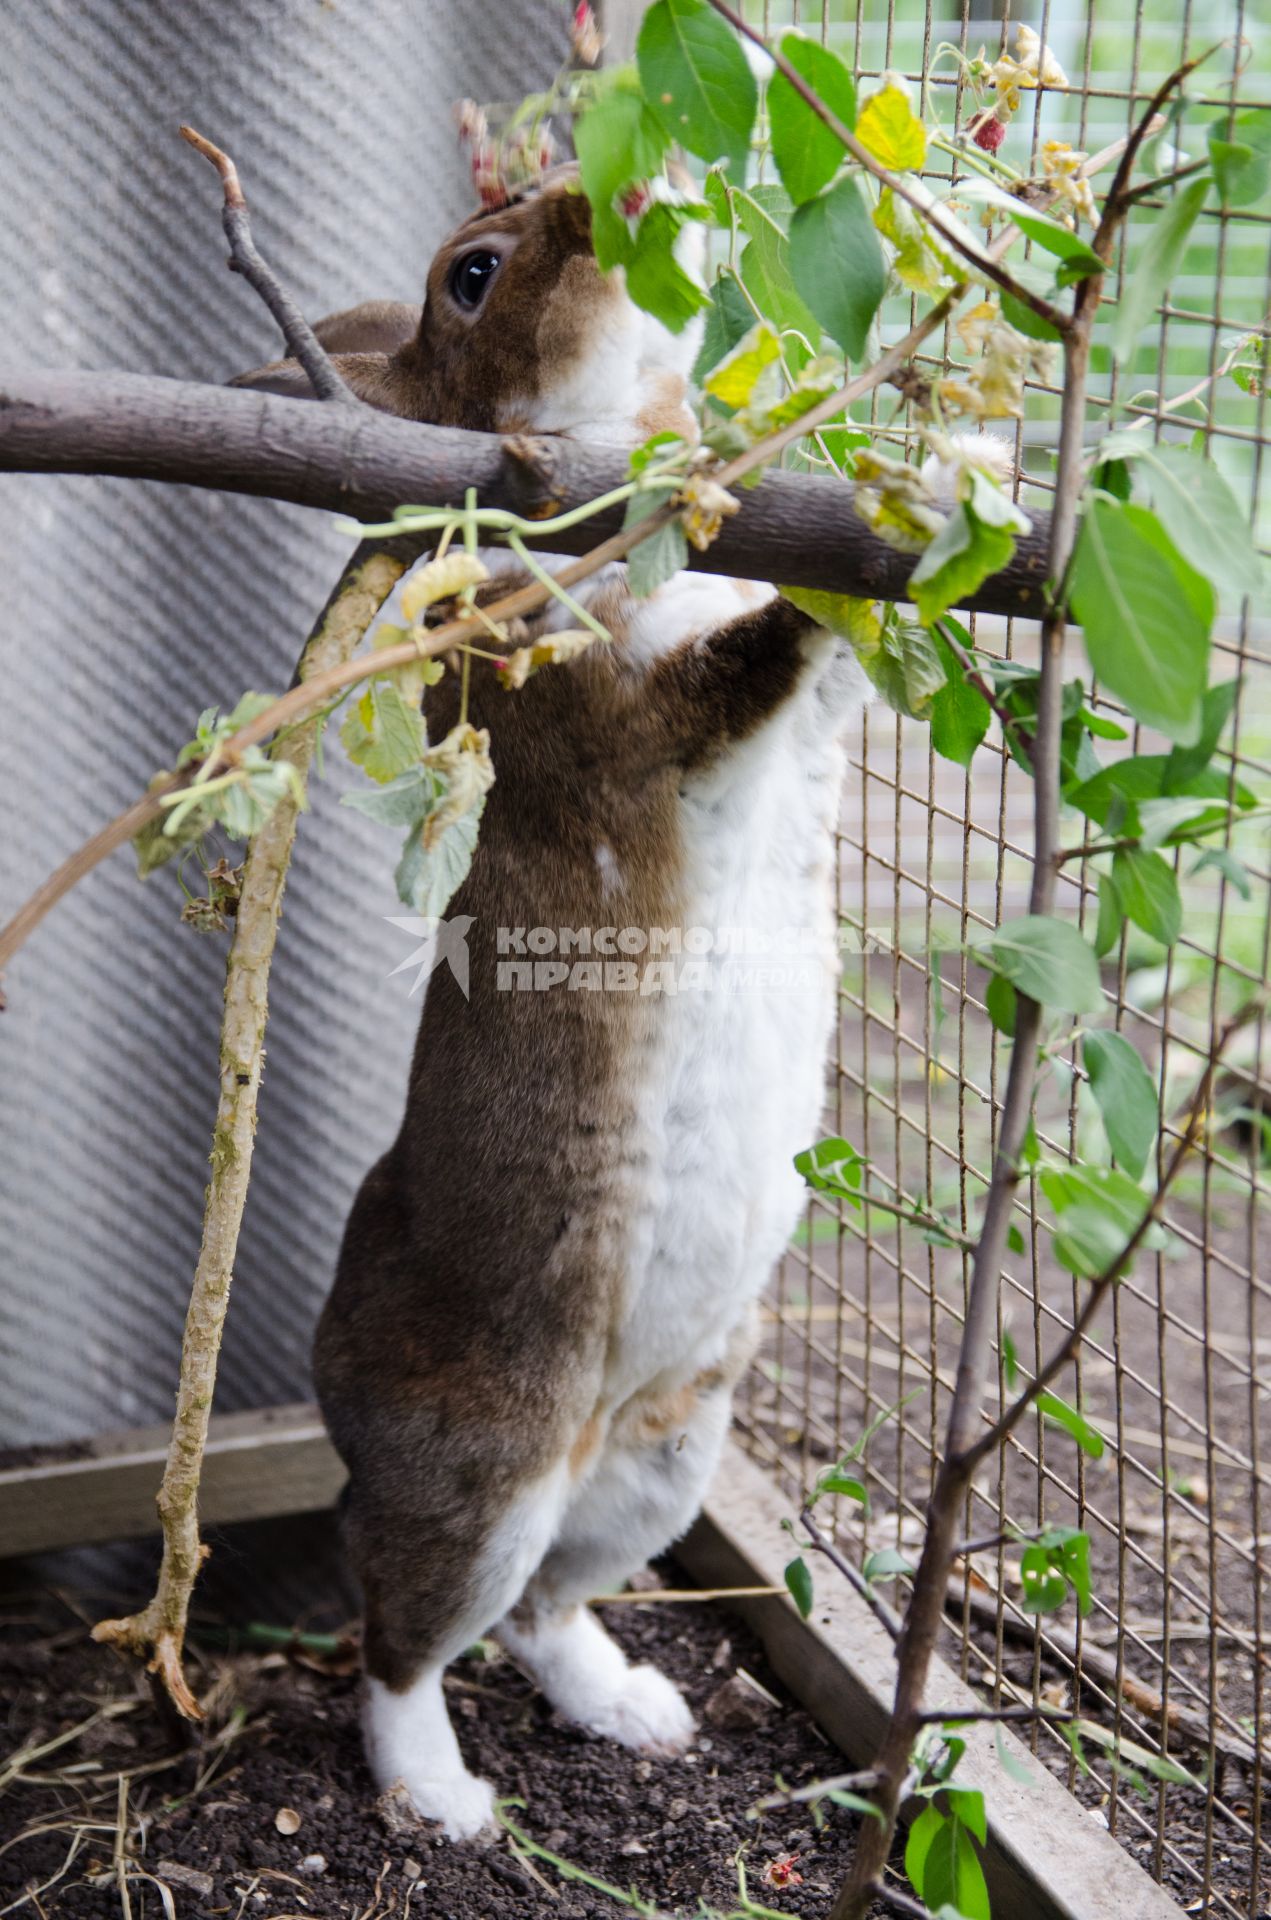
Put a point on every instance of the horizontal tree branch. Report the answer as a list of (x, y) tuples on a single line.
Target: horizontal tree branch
[(799, 530)]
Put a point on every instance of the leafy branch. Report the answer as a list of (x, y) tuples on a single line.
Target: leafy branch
[(156, 1633), (467, 630), (1104, 1281), (984, 264)]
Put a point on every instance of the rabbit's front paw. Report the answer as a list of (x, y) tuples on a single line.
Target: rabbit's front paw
[(645, 1712)]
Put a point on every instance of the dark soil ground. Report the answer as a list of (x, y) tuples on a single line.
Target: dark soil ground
[(274, 1815)]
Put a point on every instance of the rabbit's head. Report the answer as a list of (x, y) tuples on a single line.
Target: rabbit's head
[(520, 331)]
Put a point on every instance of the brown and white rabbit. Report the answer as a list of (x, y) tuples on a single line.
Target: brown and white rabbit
[(547, 1285)]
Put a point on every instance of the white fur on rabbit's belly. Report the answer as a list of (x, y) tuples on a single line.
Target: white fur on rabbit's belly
[(732, 1082)]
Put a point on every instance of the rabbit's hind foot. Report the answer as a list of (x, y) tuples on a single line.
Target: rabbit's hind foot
[(412, 1748), (589, 1680)]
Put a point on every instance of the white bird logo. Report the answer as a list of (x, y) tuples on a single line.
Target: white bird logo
[(439, 940)]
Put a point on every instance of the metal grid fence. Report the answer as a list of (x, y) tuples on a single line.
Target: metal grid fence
[(865, 1313)]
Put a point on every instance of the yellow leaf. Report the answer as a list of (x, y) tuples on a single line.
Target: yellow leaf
[(733, 380), (439, 580), (892, 131)]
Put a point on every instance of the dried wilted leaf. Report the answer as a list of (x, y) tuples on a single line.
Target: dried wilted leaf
[(441, 580), (550, 651), (463, 761)]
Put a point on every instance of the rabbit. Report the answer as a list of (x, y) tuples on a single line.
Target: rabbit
[(547, 1287)]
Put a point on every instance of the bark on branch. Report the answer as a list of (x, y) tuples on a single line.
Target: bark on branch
[(157, 1633), (799, 530)]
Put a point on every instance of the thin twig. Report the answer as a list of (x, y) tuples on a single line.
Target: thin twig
[(985, 266), (886, 1616), (302, 342), (924, 1614), (817, 1790), (1132, 195), (1117, 203), (993, 1541), (1102, 1284), (1008, 721), (897, 1902)]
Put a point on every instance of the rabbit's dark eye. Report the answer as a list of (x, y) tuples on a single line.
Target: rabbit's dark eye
[(471, 276)]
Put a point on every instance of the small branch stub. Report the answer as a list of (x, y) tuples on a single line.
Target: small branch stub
[(302, 342)]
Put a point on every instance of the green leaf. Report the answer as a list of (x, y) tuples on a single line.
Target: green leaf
[(960, 714), (961, 557), (1147, 617), (765, 270), (1098, 1209), (1018, 314), (733, 378), (428, 878), (886, 1564), (1044, 1589), (1182, 764), (999, 999), (663, 555), (1154, 265), (837, 264), (1060, 1559), (799, 1581), (1199, 512), (656, 280), (892, 131), (898, 656), (697, 80), (845, 1484), (1235, 871), (404, 802), (1111, 918), (1240, 153), (619, 141), (1112, 797), (727, 322), (855, 1803), (1126, 1095), (1049, 961), (832, 1166), (918, 261), (1088, 1439), (1159, 1765), (1077, 258), (382, 733), (1147, 888), (952, 1874), (918, 1844), (968, 1804), (806, 153)]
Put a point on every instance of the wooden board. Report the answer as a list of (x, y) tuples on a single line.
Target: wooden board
[(1048, 1859), (258, 1466)]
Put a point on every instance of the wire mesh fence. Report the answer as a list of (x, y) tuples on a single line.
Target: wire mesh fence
[(866, 1311)]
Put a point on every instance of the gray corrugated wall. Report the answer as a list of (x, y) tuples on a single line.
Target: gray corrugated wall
[(124, 609)]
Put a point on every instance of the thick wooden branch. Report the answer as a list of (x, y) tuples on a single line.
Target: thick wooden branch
[(800, 530)]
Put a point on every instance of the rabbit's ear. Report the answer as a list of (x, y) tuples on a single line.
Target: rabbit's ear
[(363, 343)]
